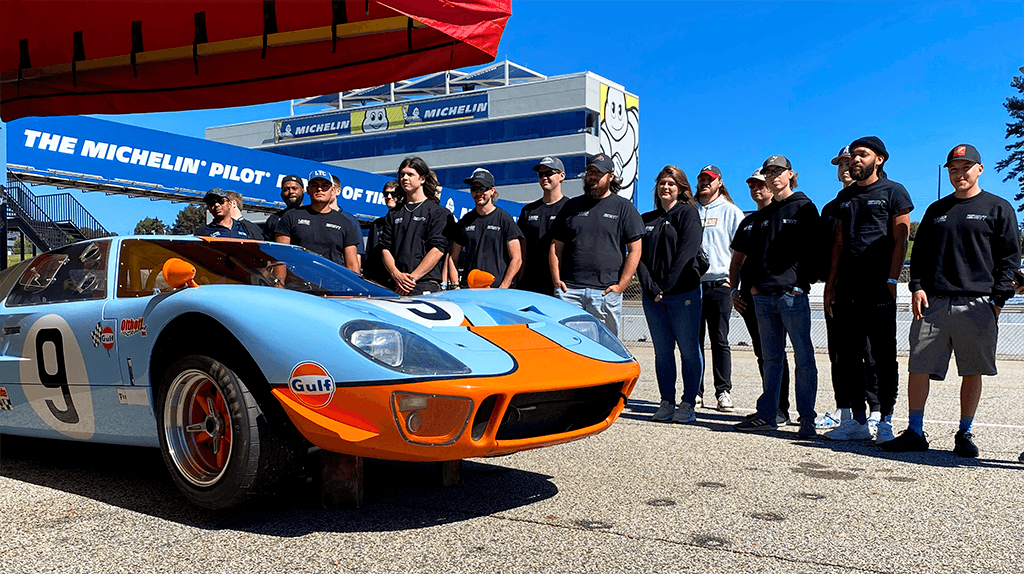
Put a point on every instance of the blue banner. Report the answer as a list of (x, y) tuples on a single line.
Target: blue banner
[(385, 117), (78, 149)]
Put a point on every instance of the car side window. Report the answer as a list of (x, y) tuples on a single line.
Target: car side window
[(74, 273)]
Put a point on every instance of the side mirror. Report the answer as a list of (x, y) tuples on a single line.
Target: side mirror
[(478, 279), (179, 273)]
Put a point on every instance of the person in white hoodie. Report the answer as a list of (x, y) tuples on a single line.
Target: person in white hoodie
[(720, 218)]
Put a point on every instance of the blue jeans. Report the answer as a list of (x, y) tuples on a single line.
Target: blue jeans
[(777, 316), (607, 308), (676, 320)]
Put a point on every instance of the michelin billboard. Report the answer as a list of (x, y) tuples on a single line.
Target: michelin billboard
[(618, 129)]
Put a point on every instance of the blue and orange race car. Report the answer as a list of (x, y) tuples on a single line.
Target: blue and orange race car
[(233, 356)]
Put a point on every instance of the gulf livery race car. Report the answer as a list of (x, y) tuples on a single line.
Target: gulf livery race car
[(232, 356)]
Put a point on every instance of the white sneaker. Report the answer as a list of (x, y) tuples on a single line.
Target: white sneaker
[(828, 420), (884, 432), (725, 402), (873, 419), (849, 430), (664, 412), (684, 414)]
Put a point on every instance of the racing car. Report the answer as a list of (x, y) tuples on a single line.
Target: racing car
[(234, 357)]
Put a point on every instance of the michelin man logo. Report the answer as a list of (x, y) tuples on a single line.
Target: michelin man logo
[(414, 118), (284, 133), (376, 120), (620, 124)]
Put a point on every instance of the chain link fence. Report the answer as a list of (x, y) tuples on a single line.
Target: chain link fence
[(1011, 323)]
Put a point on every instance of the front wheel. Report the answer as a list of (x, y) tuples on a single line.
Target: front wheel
[(215, 439)]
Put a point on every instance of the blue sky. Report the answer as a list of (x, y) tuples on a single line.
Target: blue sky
[(731, 83)]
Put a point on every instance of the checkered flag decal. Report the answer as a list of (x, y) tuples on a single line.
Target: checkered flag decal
[(97, 333)]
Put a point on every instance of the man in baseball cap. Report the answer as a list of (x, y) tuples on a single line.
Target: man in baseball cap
[(486, 238), (319, 228), (219, 204), (966, 251), (292, 194), (535, 221), (872, 224)]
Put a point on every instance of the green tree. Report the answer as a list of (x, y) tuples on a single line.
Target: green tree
[(150, 226), (913, 229), (189, 219), (1015, 131)]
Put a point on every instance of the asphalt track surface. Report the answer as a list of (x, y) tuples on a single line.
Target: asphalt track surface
[(640, 497)]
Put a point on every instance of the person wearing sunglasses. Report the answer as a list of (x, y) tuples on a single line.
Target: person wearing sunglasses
[(535, 221), (487, 238), (220, 206)]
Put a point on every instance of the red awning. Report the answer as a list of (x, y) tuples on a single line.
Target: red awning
[(63, 57)]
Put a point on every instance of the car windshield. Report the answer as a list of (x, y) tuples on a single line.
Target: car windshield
[(271, 265)]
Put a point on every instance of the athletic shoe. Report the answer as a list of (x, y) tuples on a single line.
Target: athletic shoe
[(664, 412), (684, 414), (849, 430), (873, 419), (828, 420), (883, 433), (964, 444), (753, 425), (908, 441), (725, 402), (806, 430)]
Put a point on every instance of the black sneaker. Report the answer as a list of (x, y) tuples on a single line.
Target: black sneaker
[(807, 429), (782, 418), (964, 444), (908, 441), (754, 424)]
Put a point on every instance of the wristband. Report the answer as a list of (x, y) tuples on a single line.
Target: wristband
[(891, 281)]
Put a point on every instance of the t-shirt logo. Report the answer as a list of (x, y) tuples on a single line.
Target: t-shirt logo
[(977, 216), (611, 215), (303, 222), (650, 228), (471, 228), (711, 222), (494, 228), (332, 226), (533, 218), (940, 219)]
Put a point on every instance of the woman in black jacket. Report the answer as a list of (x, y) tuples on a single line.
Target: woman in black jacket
[(669, 274)]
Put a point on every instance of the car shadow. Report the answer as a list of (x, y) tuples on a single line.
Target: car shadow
[(397, 495)]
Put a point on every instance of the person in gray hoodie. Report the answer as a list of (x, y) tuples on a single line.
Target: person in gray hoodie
[(720, 218)]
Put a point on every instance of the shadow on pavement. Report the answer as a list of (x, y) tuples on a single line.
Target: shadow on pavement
[(398, 495)]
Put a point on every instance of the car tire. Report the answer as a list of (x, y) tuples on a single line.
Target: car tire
[(216, 440)]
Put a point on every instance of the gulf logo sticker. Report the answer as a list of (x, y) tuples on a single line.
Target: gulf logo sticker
[(311, 384)]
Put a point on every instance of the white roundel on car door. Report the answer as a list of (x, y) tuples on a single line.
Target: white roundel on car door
[(55, 380)]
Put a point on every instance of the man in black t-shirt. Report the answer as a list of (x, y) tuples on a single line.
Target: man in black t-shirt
[(966, 251), (872, 226), (488, 234), (535, 221), (319, 228), (292, 195), (596, 243)]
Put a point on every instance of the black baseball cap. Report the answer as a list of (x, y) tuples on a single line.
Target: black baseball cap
[(872, 143), (845, 152), (963, 151), (602, 162), (214, 195), (292, 177), (482, 176), (552, 163)]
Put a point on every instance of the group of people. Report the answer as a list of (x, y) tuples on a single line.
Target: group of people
[(696, 257)]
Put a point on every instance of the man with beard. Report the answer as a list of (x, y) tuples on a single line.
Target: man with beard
[(291, 195), (595, 245), (967, 249), (720, 218), (872, 227), (781, 269), (319, 228), (535, 221)]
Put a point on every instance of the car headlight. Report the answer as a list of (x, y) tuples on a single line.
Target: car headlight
[(400, 349), (591, 328)]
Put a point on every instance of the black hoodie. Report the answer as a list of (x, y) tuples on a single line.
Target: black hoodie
[(781, 251), (671, 241)]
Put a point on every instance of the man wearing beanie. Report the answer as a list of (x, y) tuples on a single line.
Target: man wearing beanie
[(966, 252), (872, 226), (781, 269), (720, 218)]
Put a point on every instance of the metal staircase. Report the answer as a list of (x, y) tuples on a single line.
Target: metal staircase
[(48, 221)]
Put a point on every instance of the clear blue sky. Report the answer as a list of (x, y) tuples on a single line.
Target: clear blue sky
[(731, 83)]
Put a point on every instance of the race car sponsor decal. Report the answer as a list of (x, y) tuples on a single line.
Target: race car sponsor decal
[(103, 335), (428, 313), (5, 401), (130, 327), (129, 396), (55, 380), (311, 384)]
